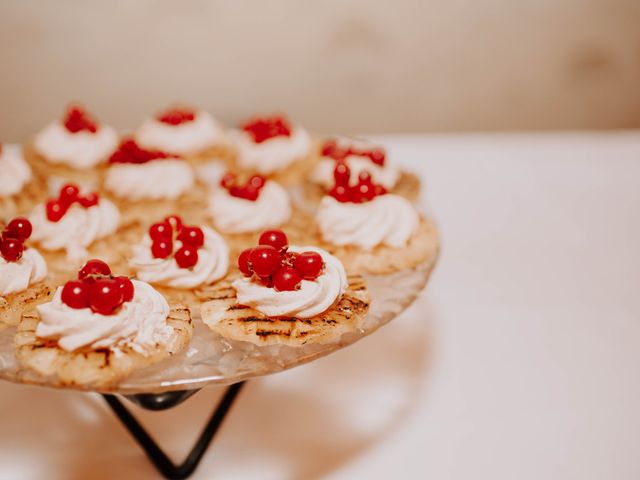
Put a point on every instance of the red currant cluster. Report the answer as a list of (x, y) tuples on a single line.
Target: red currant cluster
[(364, 191), (130, 152), (13, 237), (332, 149), (249, 191), (177, 116), (96, 288), (277, 268), (78, 120), (69, 194), (264, 128), (163, 235)]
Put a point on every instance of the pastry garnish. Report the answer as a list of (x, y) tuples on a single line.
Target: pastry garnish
[(69, 194), (249, 191), (78, 120), (264, 128), (332, 149), (274, 266), (164, 234), (96, 288), (363, 191), (130, 152), (14, 234), (176, 116)]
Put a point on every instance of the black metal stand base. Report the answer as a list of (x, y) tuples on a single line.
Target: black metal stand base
[(162, 402)]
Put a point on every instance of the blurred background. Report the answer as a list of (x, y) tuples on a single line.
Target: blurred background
[(357, 66)]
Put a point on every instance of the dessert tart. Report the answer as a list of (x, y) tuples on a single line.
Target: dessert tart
[(22, 272), (359, 156), (273, 147), (287, 295), (180, 260), (193, 134), (149, 183), (241, 210), (100, 328), (73, 226), (73, 148), (370, 230), (20, 190)]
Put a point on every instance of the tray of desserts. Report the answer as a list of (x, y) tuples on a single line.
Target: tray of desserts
[(189, 254)]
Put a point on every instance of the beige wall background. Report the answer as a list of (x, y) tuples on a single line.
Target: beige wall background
[(352, 66)]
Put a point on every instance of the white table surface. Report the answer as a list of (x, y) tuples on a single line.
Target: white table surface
[(521, 361)]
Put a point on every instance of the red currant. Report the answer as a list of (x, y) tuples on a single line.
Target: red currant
[(89, 200), (19, 228), (257, 181), (105, 296), (355, 195), (55, 210), (228, 180), (75, 294), (266, 281), (379, 190), (286, 279), (276, 238), (331, 149), (289, 259), (377, 156), (364, 177), (187, 256), (68, 194), (177, 116), (250, 193), (340, 193), (243, 262), (94, 267), (77, 120), (341, 174), (162, 247), (126, 287), (160, 231), (11, 249), (192, 236), (264, 260), (175, 221), (309, 264)]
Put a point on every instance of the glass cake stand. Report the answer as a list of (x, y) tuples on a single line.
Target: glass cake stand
[(213, 360)]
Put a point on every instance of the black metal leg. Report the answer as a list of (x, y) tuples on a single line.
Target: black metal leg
[(164, 465)]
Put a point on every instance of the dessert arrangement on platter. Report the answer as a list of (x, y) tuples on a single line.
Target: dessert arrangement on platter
[(177, 256)]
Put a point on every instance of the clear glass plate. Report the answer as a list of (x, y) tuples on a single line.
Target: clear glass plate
[(212, 360)]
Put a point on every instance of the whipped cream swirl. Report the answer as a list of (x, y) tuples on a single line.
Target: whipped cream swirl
[(140, 324), (15, 172), (80, 150), (386, 175), (77, 229), (386, 220), (238, 215), (186, 138), (154, 180), (17, 276), (273, 154), (311, 299), (213, 263)]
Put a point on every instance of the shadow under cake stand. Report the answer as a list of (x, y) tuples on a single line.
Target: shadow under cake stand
[(212, 360)]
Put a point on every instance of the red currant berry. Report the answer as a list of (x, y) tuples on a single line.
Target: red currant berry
[(286, 279), (228, 180), (94, 267), (243, 262), (55, 210), (366, 190), (75, 294), (340, 193), (257, 181), (126, 287), (187, 256), (377, 156), (160, 231), (364, 177), (175, 221), (11, 249), (341, 174), (19, 228), (355, 196), (250, 193), (266, 281), (105, 296), (89, 200), (162, 247), (192, 236), (68, 194), (309, 264), (289, 259), (331, 149), (276, 238), (264, 260), (379, 190)]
